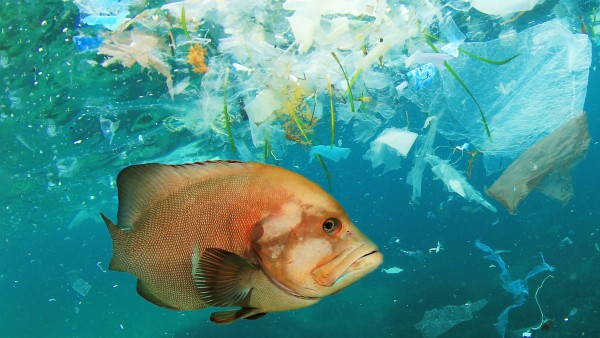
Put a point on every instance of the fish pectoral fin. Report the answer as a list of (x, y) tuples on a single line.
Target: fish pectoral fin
[(226, 317), (222, 278), (143, 291)]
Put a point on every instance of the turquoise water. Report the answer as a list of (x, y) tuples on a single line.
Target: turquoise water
[(69, 125)]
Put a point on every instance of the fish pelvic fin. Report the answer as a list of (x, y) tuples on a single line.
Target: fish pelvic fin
[(118, 236), (226, 317), (222, 278)]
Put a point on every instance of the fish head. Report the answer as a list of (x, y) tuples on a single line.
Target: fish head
[(312, 249)]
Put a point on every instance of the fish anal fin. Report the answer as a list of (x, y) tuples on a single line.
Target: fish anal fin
[(226, 317), (222, 278), (143, 291)]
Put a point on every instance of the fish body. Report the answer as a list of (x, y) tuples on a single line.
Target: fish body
[(228, 233)]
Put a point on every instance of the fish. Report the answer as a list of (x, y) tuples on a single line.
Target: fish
[(253, 236)]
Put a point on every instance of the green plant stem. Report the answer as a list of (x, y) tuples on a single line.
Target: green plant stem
[(226, 114), (183, 23), (332, 110), (347, 81)]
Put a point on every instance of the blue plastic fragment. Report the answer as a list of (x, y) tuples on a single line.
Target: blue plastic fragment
[(111, 22), (518, 288), (85, 43), (423, 75)]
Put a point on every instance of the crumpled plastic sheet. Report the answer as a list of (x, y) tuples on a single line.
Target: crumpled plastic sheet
[(436, 322), (545, 166), (455, 182), (387, 148), (415, 176), (550, 71)]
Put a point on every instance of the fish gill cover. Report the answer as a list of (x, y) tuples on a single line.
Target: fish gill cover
[(409, 90)]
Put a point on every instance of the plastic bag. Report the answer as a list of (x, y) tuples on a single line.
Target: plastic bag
[(544, 166), (551, 70)]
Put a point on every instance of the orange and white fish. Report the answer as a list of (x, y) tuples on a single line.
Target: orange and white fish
[(227, 233)]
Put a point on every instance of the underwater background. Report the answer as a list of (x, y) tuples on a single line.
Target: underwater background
[(70, 121)]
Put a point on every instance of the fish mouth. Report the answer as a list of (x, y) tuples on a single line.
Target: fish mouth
[(349, 266)]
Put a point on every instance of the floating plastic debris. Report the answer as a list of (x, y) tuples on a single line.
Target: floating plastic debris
[(545, 166), (111, 22), (423, 75), (333, 153), (108, 128), (455, 182), (393, 270), (86, 43), (79, 285), (436, 322), (517, 288), (387, 148)]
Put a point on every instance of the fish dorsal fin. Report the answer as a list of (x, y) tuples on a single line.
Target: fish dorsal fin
[(226, 317), (222, 278), (143, 184)]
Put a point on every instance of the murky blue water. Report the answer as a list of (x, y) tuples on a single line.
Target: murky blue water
[(68, 125)]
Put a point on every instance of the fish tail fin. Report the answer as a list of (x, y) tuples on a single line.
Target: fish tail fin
[(118, 236)]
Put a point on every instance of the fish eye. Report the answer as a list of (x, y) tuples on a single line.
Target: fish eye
[(332, 226)]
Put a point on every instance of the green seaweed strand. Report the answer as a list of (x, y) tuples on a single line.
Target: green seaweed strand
[(464, 86), (493, 62), (267, 147), (183, 23), (226, 114), (347, 81), (309, 141), (332, 110)]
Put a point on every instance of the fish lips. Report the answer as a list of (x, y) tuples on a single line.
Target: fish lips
[(348, 267)]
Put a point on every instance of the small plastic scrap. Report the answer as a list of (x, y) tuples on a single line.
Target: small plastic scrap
[(455, 182), (544, 166), (108, 128), (263, 106), (437, 248), (111, 22), (85, 43), (436, 322), (387, 148), (333, 153), (423, 75), (81, 286), (393, 270)]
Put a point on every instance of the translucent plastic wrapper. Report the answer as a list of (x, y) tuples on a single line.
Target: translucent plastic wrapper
[(415, 176), (523, 100), (79, 285), (456, 182), (436, 322), (545, 166), (387, 148)]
